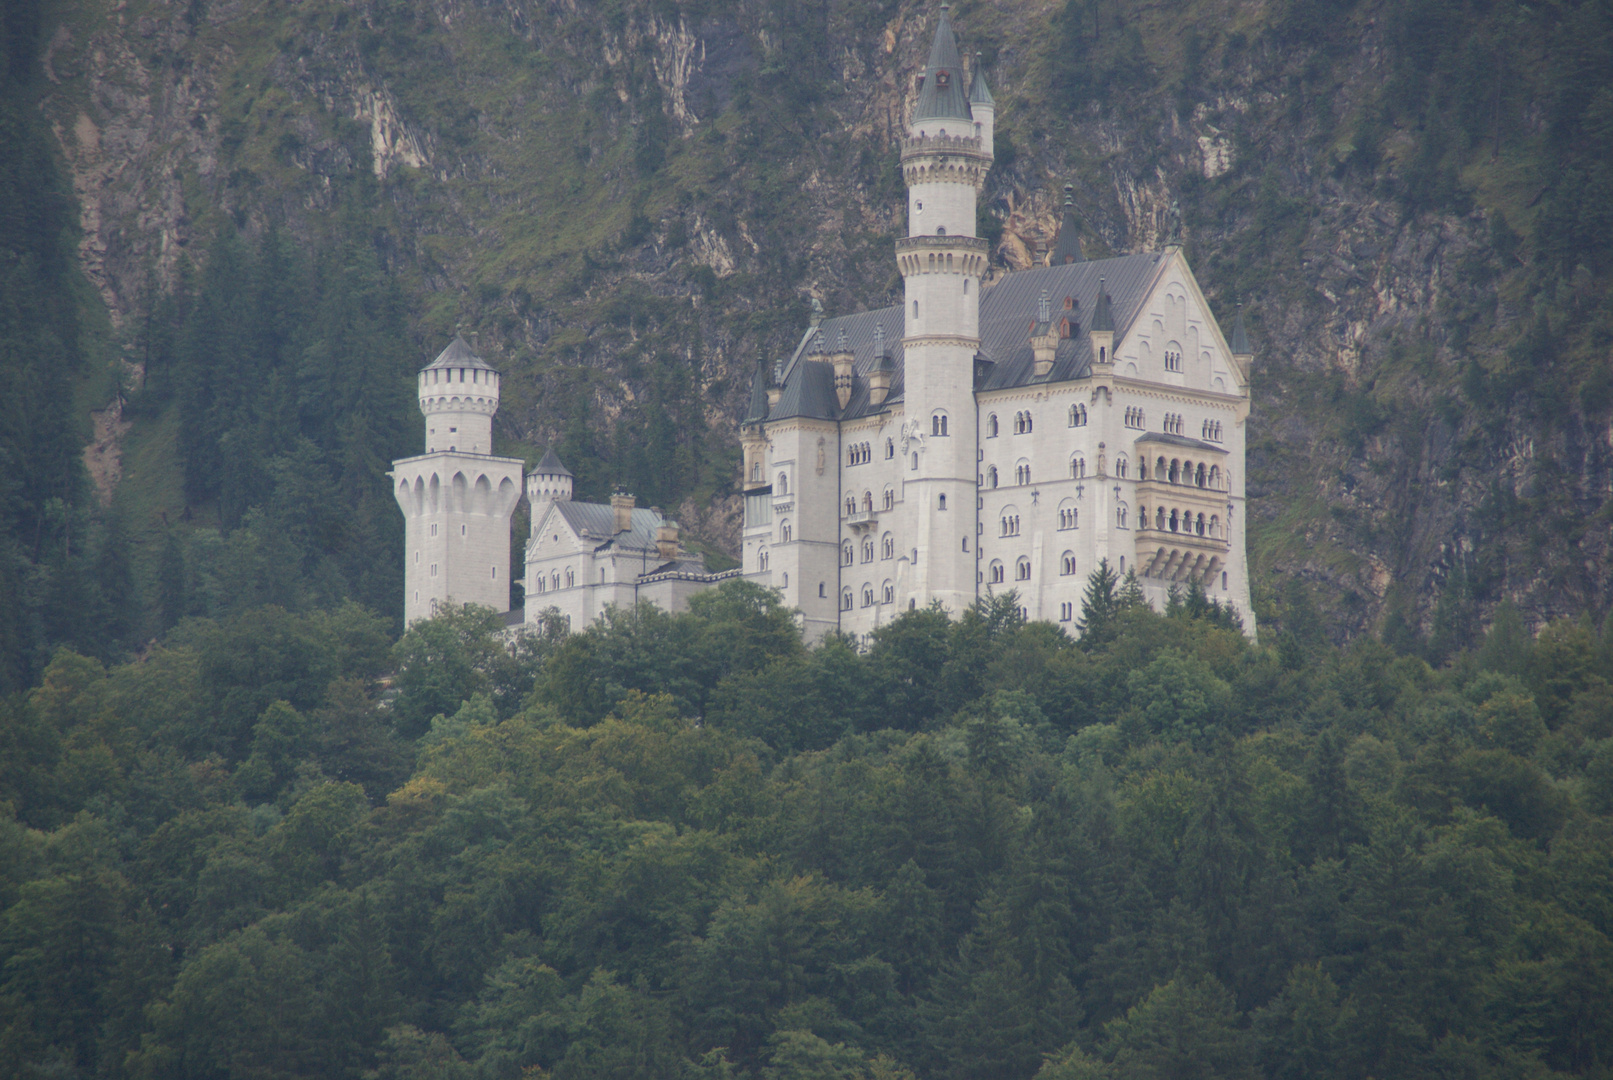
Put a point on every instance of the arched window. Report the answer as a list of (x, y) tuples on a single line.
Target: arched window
[(1223, 581), (887, 547), (571, 577), (868, 595), (915, 461), (941, 502), (1027, 423), (847, 553), (938, 424), (991, 426), (1078, 415), (1120, 515), (996, 572), (851, 505), (784, 533), (845, 599), (1215, 526), (868, 550), (1022, 569), (1159, 519), (756, 470), (1215, 477), (1176, 471), (1067, 564), (1200, 475), (890, 449), (761, 560), (1198, 525), (890, 498), (1009, 522), (1120, 466), (1067, 514), (887, 593), (1022, 473), (991, 476), (783, 484), (1078, 467), (868, 501)]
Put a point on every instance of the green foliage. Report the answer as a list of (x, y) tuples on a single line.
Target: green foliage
[(976, 849)]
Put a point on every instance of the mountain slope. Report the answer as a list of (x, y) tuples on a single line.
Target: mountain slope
[(629, 201)]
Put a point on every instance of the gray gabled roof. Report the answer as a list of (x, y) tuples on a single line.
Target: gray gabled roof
[(459, 354), (943, 96), (597, 521), (1007, 310), (550, 464)]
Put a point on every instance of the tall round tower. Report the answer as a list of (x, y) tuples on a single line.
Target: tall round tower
[(457, 497), (945, 159)]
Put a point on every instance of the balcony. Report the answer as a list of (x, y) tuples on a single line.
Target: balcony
[(863, 519)]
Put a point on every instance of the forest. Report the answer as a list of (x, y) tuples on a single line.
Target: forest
[(284, 845)]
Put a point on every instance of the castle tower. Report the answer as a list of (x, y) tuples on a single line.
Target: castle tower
[(945, 158), (551, 480), (457, 497)]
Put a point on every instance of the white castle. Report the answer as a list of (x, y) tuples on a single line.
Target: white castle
[(975, 440)]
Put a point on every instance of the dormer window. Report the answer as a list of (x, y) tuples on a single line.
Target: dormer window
[(942, 79)]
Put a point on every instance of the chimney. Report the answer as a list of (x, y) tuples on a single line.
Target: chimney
[(621, 505), (666, 540)]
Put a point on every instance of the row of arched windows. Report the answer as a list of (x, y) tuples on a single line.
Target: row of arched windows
[(859, 454), (1211, 431), (1023, 423), (938, 424), (1173, 360), (1173, 424), (887, 550), (1186, 473), (551, 581), (1182, 521), (887, 595), (1078, 416), (1010, 524), (1134, 417)]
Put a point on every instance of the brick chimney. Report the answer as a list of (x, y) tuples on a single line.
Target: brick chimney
[(666, 540), (621, 505)]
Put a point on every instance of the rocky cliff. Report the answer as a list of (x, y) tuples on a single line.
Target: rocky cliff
[(630, 200)]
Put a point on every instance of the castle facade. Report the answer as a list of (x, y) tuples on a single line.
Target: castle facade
[(980, 439), (983, 436)]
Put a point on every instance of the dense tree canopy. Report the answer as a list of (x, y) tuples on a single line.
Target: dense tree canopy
[(689, 845)]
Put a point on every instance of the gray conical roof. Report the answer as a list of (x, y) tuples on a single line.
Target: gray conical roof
[(1068, 249), (979, 93), (1240, 337), (942, 97), (758, 393), (1103, 319), (459, 354), (550, 464)]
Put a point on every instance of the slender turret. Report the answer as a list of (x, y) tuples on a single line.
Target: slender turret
[(945, 159)]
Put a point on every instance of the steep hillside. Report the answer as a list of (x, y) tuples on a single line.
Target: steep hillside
[(628, 201)]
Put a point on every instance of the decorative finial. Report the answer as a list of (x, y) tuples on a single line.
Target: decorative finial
[(1043, 313), (1069, 194), (817, 341), (879, 340), (840, 342)]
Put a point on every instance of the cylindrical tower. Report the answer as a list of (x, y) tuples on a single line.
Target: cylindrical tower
[(549, 481), (457, 497), (459, 395), (942, 262)]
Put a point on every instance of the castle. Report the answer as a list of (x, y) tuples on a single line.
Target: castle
[(982, 437)]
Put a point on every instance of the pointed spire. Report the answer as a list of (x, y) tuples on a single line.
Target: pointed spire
[(1103, 320), (1240, 337), (550, 464), (758, 391), (879, 342), (979, 94), (459, 354), (1068, 248), (942, 96)]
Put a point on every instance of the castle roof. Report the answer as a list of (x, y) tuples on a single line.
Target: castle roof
[(942, 96), (1178, 440), (459, 354), (758, 392), (979, 93), (1007, 310), (597, 521), (550, 464)]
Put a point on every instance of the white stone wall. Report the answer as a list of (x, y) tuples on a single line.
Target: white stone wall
[(458, 404), (932, 207), (456, 509)]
